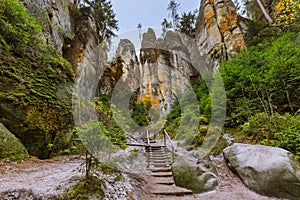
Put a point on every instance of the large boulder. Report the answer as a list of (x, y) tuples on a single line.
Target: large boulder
[(266, 170), (195, 171), (10, 146)]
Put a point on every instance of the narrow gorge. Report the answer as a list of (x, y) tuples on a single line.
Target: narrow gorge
[(210, 113)]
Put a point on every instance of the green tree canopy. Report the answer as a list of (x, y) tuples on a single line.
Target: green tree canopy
[(107, 18)]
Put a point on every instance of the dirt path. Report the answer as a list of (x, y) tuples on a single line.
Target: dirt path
[(47, 178), (230, 187)]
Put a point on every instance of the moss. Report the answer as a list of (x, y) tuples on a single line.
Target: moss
[(31, 74), (84, 188), (10, 146)]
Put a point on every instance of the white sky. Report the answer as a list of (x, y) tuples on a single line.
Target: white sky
[(150, 13)]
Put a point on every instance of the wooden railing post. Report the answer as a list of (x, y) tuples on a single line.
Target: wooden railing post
[(148, 140), (167, 137)]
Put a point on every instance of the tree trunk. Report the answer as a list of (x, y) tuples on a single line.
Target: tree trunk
[(266, 14)]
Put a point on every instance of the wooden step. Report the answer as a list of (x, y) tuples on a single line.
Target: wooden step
[(164, 180), (162, 174), (159, 162), (173, 190), (162, 169)]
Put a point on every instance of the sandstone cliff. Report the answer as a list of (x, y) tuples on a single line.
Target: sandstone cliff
[(36, 102), (218, 34), (162, 71)]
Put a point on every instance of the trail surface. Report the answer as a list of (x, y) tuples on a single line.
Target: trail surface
[(41, 178), (49, 179), (230, 187)]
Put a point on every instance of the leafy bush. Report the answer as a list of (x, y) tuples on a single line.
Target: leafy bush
[(85, 188), (263, 80), (277, 130), (19, 31)]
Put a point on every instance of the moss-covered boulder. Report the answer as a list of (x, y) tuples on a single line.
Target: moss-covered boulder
[(195, 171), (10, 146)]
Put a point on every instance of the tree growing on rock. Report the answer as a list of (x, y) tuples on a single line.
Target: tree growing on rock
[(107, 18), (184, 23), (187, 23), (173, 7)]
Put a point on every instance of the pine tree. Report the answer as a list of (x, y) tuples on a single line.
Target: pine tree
[(139, 26), (187, 23), (107, 18), (166, 25), (173, 7)]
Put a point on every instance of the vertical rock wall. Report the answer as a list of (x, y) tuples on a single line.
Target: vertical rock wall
[(163, 69), (56, 18), (218, 33)]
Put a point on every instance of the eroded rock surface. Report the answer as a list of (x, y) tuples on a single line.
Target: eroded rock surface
[(10, 146), (218, 33), (195, 171), (266, 170)]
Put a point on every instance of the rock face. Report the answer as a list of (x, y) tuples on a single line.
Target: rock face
[(10, 146), (131, 69), (56, 16), (218, 34), (162, 71), (37, 107), (266, 170), (195, 171)]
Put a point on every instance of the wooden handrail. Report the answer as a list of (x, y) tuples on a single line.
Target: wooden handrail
[(167, 137), (148, 140)]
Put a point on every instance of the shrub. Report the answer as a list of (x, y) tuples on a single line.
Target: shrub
[(277, 130)]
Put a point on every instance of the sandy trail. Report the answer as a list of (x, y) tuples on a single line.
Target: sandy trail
[(230, 188), (49, 179)]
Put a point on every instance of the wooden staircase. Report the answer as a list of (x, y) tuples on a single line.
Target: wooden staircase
[(161, 177)]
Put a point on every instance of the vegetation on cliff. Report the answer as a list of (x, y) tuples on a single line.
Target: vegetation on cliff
[(262, 88), (33, 95)]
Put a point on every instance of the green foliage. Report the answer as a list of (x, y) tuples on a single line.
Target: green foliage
[(277, 130), (186, 23), (19, 31), (259, 33), (176, 117), (263, 79), (107, 123), (107, 22), (84, 188), (34, 95), (140, 112)]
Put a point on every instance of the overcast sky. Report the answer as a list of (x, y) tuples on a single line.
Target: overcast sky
[(150, 13)]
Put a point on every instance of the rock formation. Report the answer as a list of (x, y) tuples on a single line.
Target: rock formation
[(162, 71), (10, 146), (45, 126), (56, 18), (267, 170), (195, 171), (218, 33)]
